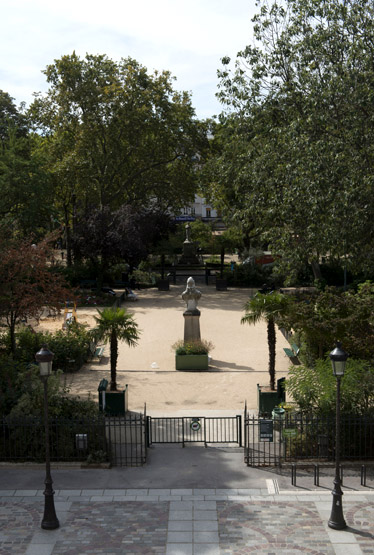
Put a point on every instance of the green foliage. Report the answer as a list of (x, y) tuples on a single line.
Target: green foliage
[(10, 388), (21, 391), (144, 278), (114, 324), (322, 318), (252, 275), (97, 457), (198, 347), (117, 133), (270, 307), (70, 346), (293, 152), (314, 388)]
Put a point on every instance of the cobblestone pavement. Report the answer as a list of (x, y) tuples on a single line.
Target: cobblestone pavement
[(185, 522)]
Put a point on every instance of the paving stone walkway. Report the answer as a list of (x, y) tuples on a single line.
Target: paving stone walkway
[(185, 522)]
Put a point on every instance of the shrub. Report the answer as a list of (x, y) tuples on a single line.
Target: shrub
[(9, 386), (314, 389), (70, 346), (198, 347)]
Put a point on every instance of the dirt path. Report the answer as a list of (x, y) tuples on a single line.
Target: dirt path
[(239, 359)]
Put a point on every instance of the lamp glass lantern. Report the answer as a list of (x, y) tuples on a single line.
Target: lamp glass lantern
[(338, 360), (44, 358)]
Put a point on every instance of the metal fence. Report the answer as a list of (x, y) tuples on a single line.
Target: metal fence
[(197, 429), (269, 442), (120, 441), (308, 437)]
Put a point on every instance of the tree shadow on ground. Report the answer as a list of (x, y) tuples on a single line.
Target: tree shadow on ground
[(222, 365)]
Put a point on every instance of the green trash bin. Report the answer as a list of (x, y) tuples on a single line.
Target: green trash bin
[(102, 389), (279, 416)]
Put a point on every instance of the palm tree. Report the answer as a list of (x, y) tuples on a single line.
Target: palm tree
[(116, 324), (267, 307)]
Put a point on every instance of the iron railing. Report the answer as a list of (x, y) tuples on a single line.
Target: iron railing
[(299, 437), (120, 440), (198, 429)]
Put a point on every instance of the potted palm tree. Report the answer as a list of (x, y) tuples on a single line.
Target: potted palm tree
[(268, 307), (113, 325)]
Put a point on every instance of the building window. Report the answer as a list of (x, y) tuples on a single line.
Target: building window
[(208, 214)]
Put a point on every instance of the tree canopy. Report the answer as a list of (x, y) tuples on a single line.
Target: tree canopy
[(120, 134), (294, 154)]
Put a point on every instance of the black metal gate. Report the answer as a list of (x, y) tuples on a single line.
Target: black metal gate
[(194, 429), (126, 440), (263, 444)]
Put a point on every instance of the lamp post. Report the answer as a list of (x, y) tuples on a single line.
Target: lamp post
[(44, 358), (338, 359)]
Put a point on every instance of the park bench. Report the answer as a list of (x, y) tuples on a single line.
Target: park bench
[(293, 352), (130, 295), (99, 352)]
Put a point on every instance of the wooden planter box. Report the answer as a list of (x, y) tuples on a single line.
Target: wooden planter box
[(191, 362)]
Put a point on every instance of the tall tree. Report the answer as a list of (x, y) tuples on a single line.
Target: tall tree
[(297, 155), (115, 324), (118, 135), (26, 202), (103, 235)]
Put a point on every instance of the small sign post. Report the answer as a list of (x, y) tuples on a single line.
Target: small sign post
[(266, 430)]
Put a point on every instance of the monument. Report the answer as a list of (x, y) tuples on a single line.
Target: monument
[(189, 257), (192, 314)]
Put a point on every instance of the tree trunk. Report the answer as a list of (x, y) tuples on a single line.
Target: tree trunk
[(271, 343), (113, 361), (69, 260), (162, 266), (222, 260), (12, 333), (316, 269)]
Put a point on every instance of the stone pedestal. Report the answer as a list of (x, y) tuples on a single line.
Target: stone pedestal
[(191, 325)]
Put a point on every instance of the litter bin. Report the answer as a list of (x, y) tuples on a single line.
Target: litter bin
[(278, 415), (102, 389)]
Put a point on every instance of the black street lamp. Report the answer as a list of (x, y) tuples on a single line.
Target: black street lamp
[(338, 359), (44, 358)]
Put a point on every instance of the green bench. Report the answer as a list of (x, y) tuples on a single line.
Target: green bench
[(293, 352), (99, 353)]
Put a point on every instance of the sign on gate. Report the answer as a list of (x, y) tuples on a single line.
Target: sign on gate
[(195, 424), (266, 430)]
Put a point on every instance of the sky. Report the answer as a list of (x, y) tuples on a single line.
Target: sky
[(187, 38)]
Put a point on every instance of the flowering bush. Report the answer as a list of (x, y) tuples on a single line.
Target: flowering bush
[(198, 347)]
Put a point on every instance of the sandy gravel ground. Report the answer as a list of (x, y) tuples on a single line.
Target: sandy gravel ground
[(239, 358)]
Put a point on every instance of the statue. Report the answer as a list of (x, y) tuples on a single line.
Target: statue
[(191, 296), (188, 233), (189, 257), (192, 314)]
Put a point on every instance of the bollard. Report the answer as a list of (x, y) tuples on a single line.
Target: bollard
[(316, 475), (341, 474), (363, 475), (293, 474)]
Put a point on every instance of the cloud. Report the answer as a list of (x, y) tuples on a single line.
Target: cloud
[(186, 37)]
